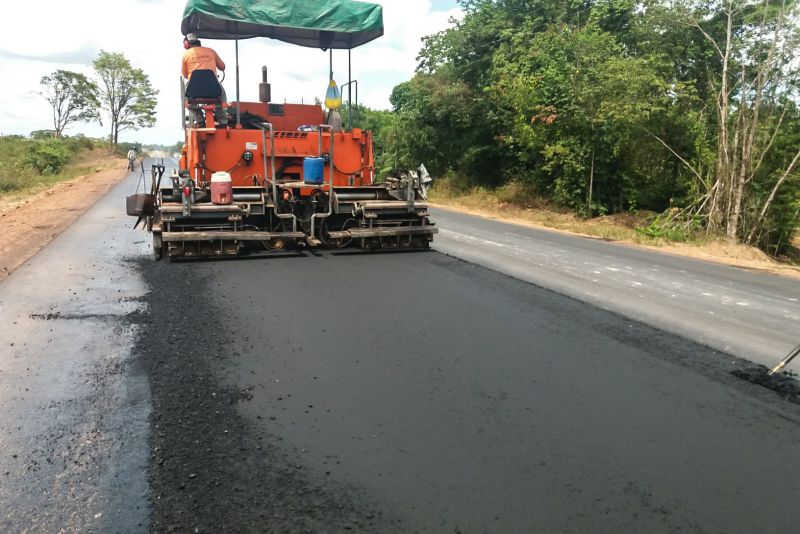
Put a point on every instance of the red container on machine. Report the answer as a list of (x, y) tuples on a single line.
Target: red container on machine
[(221, 188)]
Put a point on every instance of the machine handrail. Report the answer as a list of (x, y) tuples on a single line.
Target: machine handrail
[(264, 127), (183, 113), (349, 103), (330, 177)]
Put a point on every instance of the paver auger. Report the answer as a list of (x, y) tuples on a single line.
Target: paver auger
[(271, 176)]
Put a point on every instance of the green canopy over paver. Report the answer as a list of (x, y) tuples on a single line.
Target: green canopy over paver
[(340, 24)]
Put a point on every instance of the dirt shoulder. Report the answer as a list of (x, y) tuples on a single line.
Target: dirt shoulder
[(28, 223), (717, 251)]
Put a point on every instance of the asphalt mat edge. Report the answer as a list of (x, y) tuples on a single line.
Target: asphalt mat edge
[(727, 369), (208, 472)]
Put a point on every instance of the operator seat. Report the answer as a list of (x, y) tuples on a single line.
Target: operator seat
[(203, 85), (205, 90)]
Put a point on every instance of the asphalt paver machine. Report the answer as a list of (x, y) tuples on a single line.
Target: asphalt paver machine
[(273, 176)]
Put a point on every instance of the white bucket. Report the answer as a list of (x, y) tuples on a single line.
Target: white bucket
[(221, 188)]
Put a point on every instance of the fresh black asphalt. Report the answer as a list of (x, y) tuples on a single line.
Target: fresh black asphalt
[(419, 393)]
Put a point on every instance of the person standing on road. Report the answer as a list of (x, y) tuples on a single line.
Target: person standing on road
[(132, 159)]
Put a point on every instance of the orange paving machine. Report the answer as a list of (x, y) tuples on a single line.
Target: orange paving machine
[(275, 176)]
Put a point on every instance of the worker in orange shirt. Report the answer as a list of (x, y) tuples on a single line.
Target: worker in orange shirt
[(199, 57)]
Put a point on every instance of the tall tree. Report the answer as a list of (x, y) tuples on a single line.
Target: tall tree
[(126, 92), (73, 97), (754, 74)]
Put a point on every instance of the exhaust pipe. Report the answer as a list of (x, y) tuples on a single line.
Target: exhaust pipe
[(264, 89)]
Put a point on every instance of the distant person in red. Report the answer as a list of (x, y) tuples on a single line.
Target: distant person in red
[(199, 57)]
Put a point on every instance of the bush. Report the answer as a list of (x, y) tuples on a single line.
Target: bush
[(14, 172), (672, 225), (80, 142), (41, 135), (26, 163), (48, 157)]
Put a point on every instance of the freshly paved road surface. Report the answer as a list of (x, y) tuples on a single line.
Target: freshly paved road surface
[(436, 395), (750, 314), (369, 393)]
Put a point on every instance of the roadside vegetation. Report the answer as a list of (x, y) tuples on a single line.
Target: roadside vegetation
[(28, 165), (118, 91), (514, 201), (677, 113)]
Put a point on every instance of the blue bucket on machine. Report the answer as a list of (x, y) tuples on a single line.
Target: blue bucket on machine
[(313, 170)]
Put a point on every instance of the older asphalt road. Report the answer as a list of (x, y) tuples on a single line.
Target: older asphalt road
[(74, 406), (752, 315), (373, 393)]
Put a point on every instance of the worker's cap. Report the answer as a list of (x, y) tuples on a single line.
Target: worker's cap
[(191, 37)]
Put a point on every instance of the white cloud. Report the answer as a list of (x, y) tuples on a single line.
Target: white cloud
[(148, 33)]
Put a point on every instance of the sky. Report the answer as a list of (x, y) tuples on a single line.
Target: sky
[(69, 35)]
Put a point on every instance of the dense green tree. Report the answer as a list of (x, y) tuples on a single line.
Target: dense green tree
[(587, 117)]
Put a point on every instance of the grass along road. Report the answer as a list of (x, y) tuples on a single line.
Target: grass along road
[(32, 216)]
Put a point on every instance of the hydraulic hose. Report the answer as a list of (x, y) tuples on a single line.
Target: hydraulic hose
[(330, 177), (264, 127)]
